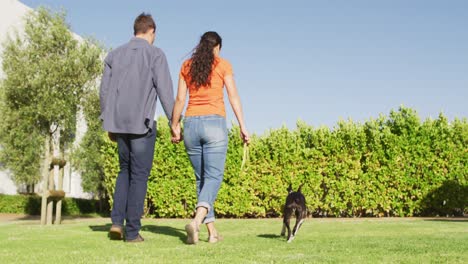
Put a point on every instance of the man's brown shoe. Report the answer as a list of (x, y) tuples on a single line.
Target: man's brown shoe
[(139, 238), (116, 232)]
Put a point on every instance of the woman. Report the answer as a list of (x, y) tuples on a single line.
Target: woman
[(203, 76)]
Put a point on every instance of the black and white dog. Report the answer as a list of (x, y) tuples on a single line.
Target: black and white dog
[(295, 203)]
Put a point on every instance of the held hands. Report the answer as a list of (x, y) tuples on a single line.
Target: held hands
[(176, 133)]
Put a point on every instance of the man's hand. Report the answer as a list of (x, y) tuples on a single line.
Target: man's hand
[(112, 136)]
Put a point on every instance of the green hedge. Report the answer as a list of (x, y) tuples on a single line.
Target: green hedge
[(394, 165), (31, 205)]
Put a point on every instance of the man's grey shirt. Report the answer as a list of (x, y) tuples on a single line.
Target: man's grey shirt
[(135, 74)]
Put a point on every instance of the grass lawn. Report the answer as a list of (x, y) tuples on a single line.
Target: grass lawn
[(246, 241)]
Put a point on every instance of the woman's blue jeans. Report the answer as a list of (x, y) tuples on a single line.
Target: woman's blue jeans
[(206, 141)]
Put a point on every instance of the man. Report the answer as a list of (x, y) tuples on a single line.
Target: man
[(135, 74)]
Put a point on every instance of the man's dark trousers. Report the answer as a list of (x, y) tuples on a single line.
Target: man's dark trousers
[(136, 154)]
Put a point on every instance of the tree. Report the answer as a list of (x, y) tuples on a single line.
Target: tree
[(47, 73), (88, 158)]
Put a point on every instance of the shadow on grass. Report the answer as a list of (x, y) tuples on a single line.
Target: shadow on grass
[(166, 230), (270, 236), (100, 228), (452, 220), (27, 217), (161, 230)]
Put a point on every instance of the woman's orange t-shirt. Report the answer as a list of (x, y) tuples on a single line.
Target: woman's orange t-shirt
[(209, 99)]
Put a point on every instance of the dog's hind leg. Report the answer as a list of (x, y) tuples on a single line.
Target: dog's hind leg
[(286, 223), (299, 220), (298, 225), (283, 230), (292, 235)]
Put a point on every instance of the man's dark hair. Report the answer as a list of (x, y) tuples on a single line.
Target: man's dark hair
[(143, 23)]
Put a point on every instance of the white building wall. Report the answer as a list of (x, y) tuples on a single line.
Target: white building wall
[(7, 186), (12, 13)]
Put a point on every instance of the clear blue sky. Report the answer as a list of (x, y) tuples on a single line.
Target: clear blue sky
[(319, 61)]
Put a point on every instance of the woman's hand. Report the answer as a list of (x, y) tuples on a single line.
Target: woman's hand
[(176, 133), (244, 134)]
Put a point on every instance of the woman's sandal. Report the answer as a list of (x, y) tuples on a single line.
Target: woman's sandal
[(192, 232), (215, 239)]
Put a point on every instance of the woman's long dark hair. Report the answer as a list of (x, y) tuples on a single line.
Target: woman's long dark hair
[(203, 59)]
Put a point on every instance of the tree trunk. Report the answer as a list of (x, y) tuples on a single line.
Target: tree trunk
[(50, 203), (45, 178), (58, 214)]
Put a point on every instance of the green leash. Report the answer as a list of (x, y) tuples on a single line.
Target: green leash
[(245, 156)]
